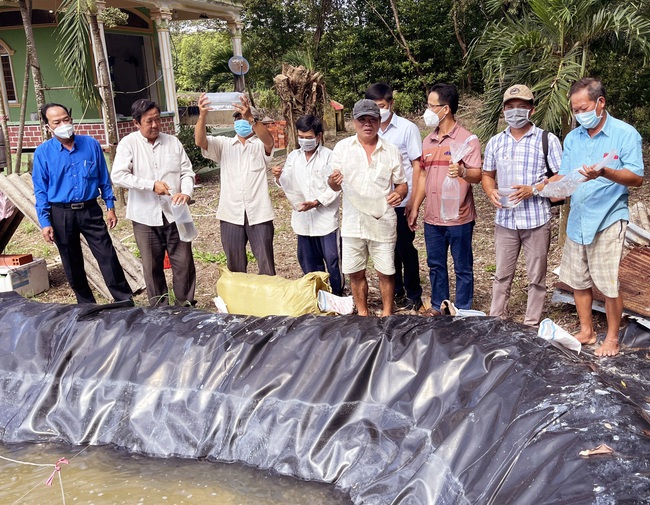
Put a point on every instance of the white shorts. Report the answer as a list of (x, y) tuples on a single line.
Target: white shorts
[(355, 253)]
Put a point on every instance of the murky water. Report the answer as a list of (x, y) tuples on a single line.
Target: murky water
[(102, 476)]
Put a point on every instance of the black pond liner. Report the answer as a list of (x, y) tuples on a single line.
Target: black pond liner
[(404, 409)]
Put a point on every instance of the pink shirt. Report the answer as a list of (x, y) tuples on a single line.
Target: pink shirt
[(436, 156)]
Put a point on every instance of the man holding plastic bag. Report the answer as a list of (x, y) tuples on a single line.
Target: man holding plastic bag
[(517, 158), (315, 214), (599, 212), (451, 162), (155, 169), (369, 171)]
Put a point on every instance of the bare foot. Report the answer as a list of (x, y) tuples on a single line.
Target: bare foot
[(586, 338), (609, 348)]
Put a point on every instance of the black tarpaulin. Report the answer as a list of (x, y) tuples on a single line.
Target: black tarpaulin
[(403, 409)]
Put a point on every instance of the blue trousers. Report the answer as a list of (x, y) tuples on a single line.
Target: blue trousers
[(439, 239), (316, 253)]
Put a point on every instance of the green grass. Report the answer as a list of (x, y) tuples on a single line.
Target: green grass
[(218, 258)]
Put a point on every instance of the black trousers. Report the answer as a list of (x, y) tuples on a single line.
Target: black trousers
[(406, 257), (260, 236), (68, 226), (153, 241)]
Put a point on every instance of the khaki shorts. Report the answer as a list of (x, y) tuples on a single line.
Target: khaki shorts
[(584, 266), (355, 253)]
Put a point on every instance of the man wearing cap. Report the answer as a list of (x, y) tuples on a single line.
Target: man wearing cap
[(406, 136), (441, 235), (69, 174), (526, 221), (599, 213), (152, 166), (245, 208), (369, 170)]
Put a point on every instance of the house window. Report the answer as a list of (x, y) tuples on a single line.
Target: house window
[(8, 73)]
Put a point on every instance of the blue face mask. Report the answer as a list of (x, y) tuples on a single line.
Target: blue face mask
[(589, 119), (243, 128)]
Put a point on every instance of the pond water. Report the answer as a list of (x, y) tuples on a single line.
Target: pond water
[(103, 475)]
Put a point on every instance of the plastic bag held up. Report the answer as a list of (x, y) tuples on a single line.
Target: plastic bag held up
[(450, 194), (570, 182)]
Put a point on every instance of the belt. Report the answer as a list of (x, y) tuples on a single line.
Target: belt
[(75, 205)]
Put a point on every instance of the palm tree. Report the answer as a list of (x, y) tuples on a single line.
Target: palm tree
[(546, 44)]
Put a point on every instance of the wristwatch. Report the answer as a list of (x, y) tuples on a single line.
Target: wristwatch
[(535, 190)]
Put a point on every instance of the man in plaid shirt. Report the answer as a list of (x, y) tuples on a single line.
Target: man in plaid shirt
[(525, 219)]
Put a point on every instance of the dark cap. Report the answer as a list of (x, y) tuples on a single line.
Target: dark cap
[(365, 107), (254, 111)]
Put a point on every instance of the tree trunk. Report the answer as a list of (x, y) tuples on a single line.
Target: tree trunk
[(108, 104), (23, 112), (5, 134), (459, 37), (26, 13)]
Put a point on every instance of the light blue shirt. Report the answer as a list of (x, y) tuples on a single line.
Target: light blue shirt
[(406, 136), (598, 203)]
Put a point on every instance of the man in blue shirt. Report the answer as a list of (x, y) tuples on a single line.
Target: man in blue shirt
[(599, 213), (69, 172)]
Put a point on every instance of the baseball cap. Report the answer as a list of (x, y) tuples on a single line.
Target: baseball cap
[(518, 91), (365, 107)]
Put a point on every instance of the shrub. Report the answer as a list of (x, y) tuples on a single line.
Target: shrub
[(186, 136)]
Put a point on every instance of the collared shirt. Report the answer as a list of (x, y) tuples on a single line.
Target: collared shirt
[(370, 182), (436, 155), (598, 203), (139, 164), (406, 136), (244, 183), (62, 176), (310, 177), (527, 154)]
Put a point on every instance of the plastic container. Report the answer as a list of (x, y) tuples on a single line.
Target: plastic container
[(223, 101)]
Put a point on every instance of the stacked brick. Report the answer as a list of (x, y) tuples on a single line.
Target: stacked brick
[(32, 132), (279, 131)]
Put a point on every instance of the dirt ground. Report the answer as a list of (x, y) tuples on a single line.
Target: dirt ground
[(209, 256)]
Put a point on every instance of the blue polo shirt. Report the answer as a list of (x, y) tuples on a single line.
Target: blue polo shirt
[(62, 176), (598, 203)]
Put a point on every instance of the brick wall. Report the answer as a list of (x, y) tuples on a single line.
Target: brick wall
[(279, 131), (32, 132)]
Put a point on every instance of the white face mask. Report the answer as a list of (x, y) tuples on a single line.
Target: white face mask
[(64, 131), (385, 114), (308, 145), (431, 119), (517, 118)]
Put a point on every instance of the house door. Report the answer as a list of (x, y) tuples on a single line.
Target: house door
[(127, 61)]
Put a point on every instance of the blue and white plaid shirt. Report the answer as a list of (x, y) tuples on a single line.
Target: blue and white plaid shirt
[(528, 155)]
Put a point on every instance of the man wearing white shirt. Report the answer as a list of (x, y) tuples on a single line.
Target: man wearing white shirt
[(152, 165), (245, 209), (369, 171), (406, 136), (315, 215)]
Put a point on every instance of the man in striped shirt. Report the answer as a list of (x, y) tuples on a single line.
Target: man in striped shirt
[(523, 217)]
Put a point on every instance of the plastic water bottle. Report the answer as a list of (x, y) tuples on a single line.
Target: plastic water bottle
[(450, 200)]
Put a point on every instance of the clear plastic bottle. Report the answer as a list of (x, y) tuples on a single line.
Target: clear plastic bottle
[(450, 199)]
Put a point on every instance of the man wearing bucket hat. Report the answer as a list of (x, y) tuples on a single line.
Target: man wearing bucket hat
[(369, 171), (525, 219), (599, 213), (245, 209), (153, 165)]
